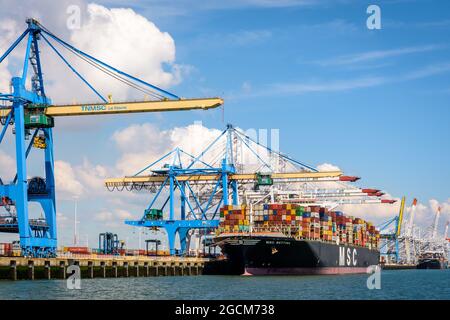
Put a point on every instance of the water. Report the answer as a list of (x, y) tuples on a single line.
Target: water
[(395, 284)]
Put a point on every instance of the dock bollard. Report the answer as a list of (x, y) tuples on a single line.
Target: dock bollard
[(30, 269), (114, 265), (154, 269), (47, 270), (125, 269), (62, 266), (91, 269), (103, 265), (197, 269), (136, 265), (13, 270)]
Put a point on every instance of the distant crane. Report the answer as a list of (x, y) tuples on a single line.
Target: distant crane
[(109, 243), (409, 243), (446, 232), (410, 227), (390, 233), (32, 114), (436, 223)]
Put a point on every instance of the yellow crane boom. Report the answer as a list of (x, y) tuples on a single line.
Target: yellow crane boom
[(400, 217), (127, 107), (215, 177)]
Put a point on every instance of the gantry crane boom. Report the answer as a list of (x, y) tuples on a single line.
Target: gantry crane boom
[(215, 177), (127, 107), (436, 223), (400, 218), (446, 232)]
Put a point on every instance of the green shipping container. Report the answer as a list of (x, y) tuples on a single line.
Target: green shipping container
[(153, 214), (38, 120)]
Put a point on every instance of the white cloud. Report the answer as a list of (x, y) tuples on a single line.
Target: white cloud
[(340, 85), (103, 216), (112, 218), (138, 138), (119, 36), (91, 176), (186, 7), (327, 167), (123, 214), (376, 55), (127, 41), (8, 31), (7, 167), (80, 181), (239, 38), (328, 86), (427, 71), (61, 217), (67, 184), (142, 144), (62, 220), (425, 214)]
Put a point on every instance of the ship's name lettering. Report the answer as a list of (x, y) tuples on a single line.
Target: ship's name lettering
[(278, 242), (347, 257)]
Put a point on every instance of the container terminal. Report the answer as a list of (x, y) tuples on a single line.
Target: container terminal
[(216, 195)]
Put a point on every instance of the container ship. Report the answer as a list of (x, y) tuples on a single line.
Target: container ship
[(285, 239), (432, 260)]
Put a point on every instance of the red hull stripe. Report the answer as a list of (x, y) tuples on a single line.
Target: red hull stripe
[(303, 271)]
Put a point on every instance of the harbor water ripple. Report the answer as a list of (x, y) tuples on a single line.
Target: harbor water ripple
[(395, 284)]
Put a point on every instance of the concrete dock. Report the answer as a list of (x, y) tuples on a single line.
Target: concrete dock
[(93, 266)]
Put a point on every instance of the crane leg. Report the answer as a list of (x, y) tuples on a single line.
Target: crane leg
[(171, 234), (21, 192), (50, 210), (182, 232)]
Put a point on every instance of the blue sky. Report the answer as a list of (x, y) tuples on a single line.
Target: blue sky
[(387, 117), (375, 103)]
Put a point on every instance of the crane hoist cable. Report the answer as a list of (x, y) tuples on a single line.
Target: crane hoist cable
[(103, 69), (115, 75), (74, 50), (118, 77)]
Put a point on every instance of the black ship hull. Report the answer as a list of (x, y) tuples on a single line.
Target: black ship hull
[(273, 255), (431, 264)]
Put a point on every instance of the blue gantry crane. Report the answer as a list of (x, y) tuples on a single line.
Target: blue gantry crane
[(175, 175), (109, 243), (214, 175), (390, 232), (30, 112)]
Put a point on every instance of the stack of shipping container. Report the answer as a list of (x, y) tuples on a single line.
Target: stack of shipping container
[(234, 218), (300, 222), (10, 249)]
